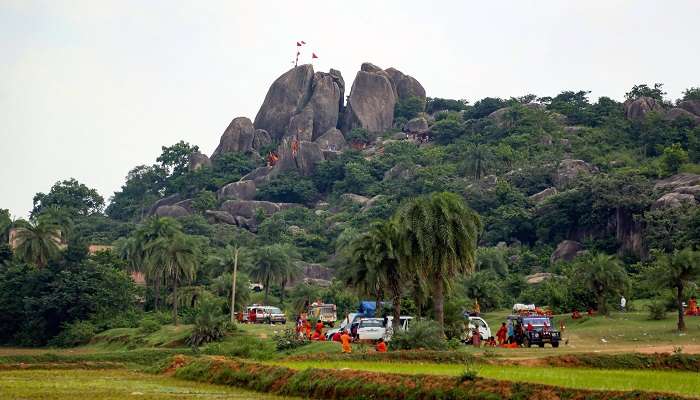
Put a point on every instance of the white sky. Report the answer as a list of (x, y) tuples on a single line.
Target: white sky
[(90, 89)]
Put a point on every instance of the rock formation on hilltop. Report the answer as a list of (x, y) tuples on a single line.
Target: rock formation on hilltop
[(371, 101)]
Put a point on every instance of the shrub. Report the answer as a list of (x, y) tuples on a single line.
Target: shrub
[(288, 340), (358, 135), (148, 325), (74, 334), (422, 335), (209, 322), (657, 310)]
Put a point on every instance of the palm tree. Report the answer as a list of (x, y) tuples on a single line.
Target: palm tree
[(272, 265), (136, 250), (675, 271), (176, 258), (38, 243), (605, 276), (478, 160), (361, 271), (438, 239)]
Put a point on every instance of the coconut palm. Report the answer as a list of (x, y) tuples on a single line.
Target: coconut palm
[(675, 271), (605, 276), (438, 239), (272, 265), (175, 259), (37, 243), (361, 271)]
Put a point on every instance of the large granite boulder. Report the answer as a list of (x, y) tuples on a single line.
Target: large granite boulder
[(286, 97), (241, 190), (174, 211), (569, 170), (238, 137), (326, 101), (354, 198), (313, 274), (692, 106), (371, 101), (248, 208), (677, 112), (332, 139), (539, 197), (304, 161), (636, 110), (259, 175), (405, 86), (261, 138), (198, 160), (338, 78), (674, 200), (165, 201), (677, 181), (567, 250), (217, 216), (416, 125), (301, 125), (401, 171)]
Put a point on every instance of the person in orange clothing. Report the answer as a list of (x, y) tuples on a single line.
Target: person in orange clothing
[(530, 328), (319, 328), (502, 333), (307, 328), (345, 342), (381, 346), (693, 307)]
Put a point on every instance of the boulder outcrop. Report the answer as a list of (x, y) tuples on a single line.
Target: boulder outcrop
[(248, 208), (354, 198), (636, 110), (304, 160), (539, 197), (566, 250), (261, 138), (676, 181), (198, 160), (287, 96), (569, 170), (692, 106), (332, 139), (405, 86), (371, 101), (238, 137), (416, 125), (165, 201), (174, 211), (241, 190), (326, 101), (677, 112), (674, 200), (217, 216), (301, 125)]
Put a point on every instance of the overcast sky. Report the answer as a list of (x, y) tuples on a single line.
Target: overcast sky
[(90, 89)]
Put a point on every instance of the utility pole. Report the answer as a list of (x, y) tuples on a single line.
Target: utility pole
[(233, 285)]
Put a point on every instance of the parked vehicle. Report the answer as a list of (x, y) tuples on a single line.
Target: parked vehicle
[(373, 329), (325, 313), (259, 314), (344, 324), (542, 332), (473, 322)]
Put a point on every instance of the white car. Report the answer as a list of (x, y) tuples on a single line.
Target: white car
[(480, 324), (344, 324), (374, 329)]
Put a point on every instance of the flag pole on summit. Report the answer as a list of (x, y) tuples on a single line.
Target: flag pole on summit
[(298, 48)]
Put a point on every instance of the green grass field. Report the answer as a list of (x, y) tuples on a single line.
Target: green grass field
[(110, 384), (685, 383)]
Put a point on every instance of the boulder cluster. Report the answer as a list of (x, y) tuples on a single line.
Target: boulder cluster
[(305, 113), (637, 109)]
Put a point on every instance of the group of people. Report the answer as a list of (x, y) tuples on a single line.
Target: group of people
[(304, 330)]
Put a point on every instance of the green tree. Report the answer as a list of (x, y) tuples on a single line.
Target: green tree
[(175, 158), (478, 160), (644, 90), (605, 276), (142, 188), (273, 264), (70, 195), (290, 187), (177, 258), (447, 130), (438, 238), (5, 225), (692, 93), (409, 107), (675, 271), (38, 243), (672, 159)]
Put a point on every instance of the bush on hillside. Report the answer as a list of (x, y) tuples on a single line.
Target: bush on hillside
[(149, 325), (209, 322), (657, 310), (422, 335), (74, 334), (288, 340)]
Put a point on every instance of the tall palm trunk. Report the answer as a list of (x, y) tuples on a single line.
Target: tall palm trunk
[(233, 287), (267, 288), (439, 302), (679, 300), (156, 294), (378, 303), (396, 305), (175, 301)]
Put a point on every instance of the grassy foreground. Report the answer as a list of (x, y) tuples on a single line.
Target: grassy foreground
[(685, 383), (110, 384)]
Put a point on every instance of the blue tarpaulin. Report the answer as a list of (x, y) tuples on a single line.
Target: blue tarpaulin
[(368, 308)]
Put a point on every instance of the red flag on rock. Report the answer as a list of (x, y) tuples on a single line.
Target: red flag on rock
[(313, 55)]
